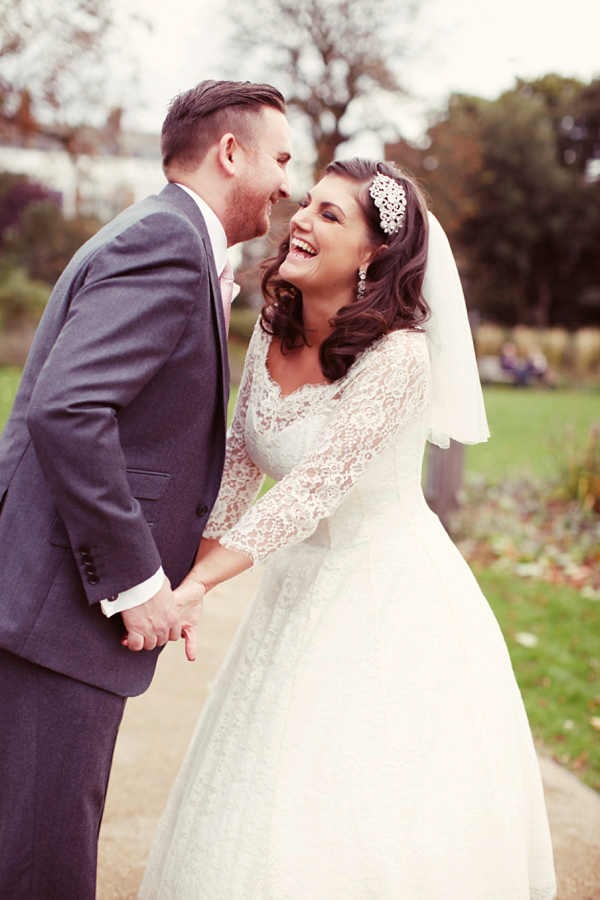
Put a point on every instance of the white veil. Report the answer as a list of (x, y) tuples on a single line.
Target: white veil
[(457, 409)]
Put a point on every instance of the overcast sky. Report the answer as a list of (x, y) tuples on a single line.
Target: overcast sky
[(480, 46)]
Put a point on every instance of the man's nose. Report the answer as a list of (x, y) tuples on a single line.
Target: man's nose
[(285, 189)]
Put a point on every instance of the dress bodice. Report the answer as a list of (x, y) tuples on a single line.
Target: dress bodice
[(341, 453)]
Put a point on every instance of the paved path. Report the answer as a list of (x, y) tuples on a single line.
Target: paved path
[(157, 728)]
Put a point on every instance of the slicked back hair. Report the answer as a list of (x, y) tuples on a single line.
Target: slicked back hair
[(197, 119)]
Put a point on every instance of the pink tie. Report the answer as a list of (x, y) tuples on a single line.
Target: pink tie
[(226, 285)]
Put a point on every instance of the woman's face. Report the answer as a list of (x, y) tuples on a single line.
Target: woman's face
[(329, 241)]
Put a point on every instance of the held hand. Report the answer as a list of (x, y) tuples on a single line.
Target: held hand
[(153, 623), (190, 596)]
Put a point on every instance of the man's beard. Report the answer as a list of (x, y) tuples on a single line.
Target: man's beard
[(248, 216)]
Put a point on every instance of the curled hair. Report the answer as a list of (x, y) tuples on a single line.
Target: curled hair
[(198, 118), (393, 297)]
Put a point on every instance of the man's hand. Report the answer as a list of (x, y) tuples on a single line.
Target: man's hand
[(190, 596), (153, 623)]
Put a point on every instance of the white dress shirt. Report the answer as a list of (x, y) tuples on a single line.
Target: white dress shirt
[(143, 592)]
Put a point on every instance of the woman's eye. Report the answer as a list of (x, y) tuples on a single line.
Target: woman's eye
[(303, 203), (330, 217)]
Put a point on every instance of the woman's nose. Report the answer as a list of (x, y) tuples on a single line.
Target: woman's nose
[(300, 219)]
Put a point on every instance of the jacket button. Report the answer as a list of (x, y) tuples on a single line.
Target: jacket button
[(93, 579), (202, 510), (113, 597), (84, 550), (91, 570)]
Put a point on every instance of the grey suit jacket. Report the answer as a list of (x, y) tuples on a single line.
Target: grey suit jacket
[(111, 459)]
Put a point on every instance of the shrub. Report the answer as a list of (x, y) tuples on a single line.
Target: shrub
[(489, 339), (45, 240), (526, 339), (17, 193), (579, 466), (556, 346), (22, 300), (569, 354), (586, 345)]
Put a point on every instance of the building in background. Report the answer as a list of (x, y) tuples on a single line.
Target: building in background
[(97, 172)]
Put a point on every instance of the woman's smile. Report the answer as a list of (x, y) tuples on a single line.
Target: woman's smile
[(301, 248)]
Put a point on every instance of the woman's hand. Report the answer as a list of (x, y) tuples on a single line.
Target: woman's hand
[(190, 596), (214, 564)]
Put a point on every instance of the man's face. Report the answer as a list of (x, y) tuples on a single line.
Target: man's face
[(263, 179)]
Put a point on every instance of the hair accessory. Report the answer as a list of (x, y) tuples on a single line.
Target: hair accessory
[(362, 283), (390, 199)]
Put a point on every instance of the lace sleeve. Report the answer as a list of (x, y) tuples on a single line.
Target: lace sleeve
[(241, 480), (387, 389)]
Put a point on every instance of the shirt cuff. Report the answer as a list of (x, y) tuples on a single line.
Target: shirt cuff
[(134, 596)]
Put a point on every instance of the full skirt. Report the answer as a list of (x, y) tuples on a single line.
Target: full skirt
[(365, 740)]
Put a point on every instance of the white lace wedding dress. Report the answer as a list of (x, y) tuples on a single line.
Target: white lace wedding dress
[(365, 739)]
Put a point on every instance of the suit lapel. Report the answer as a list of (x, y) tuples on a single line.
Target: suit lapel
[(186, 204)]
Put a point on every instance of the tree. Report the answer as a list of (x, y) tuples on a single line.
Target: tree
[(17, 192), (522, 212), (35, 236), (574, 110), (333, 59), (45, 240), (54, 65)]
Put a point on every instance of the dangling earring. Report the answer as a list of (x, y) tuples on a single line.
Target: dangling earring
[(362, 284)]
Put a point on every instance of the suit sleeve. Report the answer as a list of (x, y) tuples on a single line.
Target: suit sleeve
[(122, 326)]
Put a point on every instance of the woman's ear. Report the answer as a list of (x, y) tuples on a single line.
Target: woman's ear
[(372, 254), (227, 153)]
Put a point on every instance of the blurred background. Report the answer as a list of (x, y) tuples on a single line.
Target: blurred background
[(496, 109)]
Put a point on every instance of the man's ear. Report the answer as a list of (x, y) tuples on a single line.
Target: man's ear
[(227, 153)]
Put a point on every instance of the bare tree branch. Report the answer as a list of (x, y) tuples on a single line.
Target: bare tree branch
[(55, 64), (327, 56)]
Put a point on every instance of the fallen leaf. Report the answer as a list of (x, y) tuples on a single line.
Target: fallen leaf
[(526, 639)]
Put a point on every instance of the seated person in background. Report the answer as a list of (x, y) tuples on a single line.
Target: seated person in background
[(537, 365), (524, 371)]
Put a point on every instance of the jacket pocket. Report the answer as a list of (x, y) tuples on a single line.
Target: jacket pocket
[(147, 485), (58, 533), (143, 485)]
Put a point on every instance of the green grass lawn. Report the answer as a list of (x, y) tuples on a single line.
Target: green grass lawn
[(527, 426), (560, 676)]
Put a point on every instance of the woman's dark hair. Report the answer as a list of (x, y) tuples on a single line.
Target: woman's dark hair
[(393, 298)]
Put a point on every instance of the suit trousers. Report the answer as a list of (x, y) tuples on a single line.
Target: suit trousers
[(57, 738)]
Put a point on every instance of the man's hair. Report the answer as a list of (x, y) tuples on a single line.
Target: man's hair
[(198, 118)]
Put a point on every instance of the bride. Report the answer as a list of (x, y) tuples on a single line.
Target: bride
[(365, 739)]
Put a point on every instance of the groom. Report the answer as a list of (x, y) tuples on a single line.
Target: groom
[(109, 465)]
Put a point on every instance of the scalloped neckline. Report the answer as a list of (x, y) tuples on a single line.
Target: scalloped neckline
[(275, 384)]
